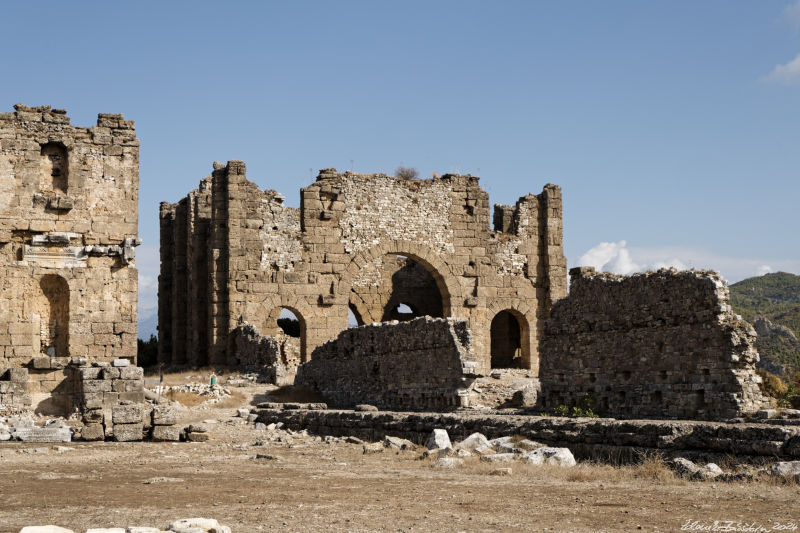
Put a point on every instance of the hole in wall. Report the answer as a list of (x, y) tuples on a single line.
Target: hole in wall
[(506, 341)]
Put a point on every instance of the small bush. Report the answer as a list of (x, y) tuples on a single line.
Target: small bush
[(406, 173), (786, 394)]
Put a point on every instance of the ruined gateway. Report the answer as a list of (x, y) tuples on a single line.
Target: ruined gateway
[(68, 228), (364, 244)]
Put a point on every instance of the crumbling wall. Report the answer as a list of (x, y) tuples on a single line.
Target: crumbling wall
[(68, 229), (421, 364), (653, 345), (355, 239), (257, 353)]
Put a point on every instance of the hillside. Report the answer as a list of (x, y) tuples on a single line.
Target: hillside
[(775, 299)]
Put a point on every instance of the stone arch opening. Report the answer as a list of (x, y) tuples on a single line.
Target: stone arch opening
[(506, 340), (54, 167), (353, 316), (412, 291), (288, 326), (52, 310)]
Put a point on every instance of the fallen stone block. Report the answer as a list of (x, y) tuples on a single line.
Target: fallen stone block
[(140, 529), (196, 428), (682, 467), (5, 436), (121, 362), (707, 472), (200, 523), (106, 530), (438, 439), (395, 443), (373, 447), (48, 434), (194, 436), (786, 469), (92, 432), (128, 432), (243, 413), (166, 433), (550, 456), (766, 413), (447, 462), (365, 408), (475, 443), (498, 457)]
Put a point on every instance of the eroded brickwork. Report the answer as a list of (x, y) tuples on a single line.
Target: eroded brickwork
[(68, 228), (653, 345), (231, 254), (420, 364)]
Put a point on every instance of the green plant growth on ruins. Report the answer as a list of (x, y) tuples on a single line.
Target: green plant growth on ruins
[(586, 408), (786, 393)]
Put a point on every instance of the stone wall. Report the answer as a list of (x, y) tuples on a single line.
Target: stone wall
[(425, 363), (231, 252), (257, 353), (653, 345), (68, 228), (587, 438), (14, 388)]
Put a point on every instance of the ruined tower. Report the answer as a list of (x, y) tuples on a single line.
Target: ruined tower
[(68, 228)]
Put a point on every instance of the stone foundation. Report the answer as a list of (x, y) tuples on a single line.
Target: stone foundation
[(587, 438), (426, 363), (656, 345)]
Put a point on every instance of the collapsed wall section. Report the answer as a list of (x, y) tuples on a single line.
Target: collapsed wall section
[(421, 364), (656, 345)]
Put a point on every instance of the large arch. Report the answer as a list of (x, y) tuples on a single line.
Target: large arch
[(301, 310), (446, 280)]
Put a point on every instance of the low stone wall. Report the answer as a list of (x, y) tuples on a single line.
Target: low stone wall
[(595, 438), (656, 345), (425, 363), (14, 387), (259, 353)]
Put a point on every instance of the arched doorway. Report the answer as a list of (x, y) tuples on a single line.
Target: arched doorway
[(288, 326), (506, 341)]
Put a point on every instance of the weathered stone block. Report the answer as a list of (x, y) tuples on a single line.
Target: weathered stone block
[(166, 433), (92, 432), (164, 415), (126, 414), (128, 432)]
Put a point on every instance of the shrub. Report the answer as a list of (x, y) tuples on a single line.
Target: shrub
[(406, 173)]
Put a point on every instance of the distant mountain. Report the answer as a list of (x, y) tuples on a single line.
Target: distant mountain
[(148, 323), (772, 304)]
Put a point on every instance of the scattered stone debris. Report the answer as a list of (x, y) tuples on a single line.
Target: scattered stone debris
[(185, 525)]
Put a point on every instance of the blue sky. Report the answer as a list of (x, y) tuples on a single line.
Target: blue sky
[(673, 127)]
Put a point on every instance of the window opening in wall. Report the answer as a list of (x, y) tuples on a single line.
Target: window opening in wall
[(506, 345), (54, 164), (414, 291), (353, 317), (289, 323)]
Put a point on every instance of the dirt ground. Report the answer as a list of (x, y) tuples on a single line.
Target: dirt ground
[(319, 486)]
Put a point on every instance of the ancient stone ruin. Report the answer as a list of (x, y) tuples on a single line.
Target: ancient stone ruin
[(367, 246), (421, 364), (653, 345), (68, 228)]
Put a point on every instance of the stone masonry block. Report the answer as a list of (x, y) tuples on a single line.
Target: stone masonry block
[(126, 414)]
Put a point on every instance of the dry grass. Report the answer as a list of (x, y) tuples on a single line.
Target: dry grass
[(235, 400)]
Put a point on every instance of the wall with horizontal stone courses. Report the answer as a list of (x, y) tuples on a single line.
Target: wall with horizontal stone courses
[(587, 438), (68, 231), (331, 254), (659, 344), (425, 363)]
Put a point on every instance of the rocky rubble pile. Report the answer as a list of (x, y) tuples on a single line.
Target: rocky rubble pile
[(185, 525), (28, 429), (214, 393)]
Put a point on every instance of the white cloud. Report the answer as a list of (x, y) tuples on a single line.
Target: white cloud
[(788, 73), (791, 14), (764, 269), (619, 258)]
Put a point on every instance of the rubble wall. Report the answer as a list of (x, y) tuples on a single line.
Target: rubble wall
[(249, 255), (68, 229), (654, 345), (262, 354), (421, 364)]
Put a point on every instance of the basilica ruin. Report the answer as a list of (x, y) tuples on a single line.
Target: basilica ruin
[(366, 246), (68, 229)]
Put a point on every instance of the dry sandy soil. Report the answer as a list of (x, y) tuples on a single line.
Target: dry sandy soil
[(319, 486)]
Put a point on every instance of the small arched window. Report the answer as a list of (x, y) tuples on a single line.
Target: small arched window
[(54, 167)]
